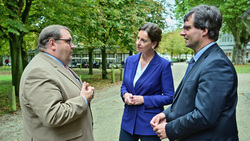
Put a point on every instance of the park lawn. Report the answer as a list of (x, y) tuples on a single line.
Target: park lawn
[(242, 68), (94, 80)]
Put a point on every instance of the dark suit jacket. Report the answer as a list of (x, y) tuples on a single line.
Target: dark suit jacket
[(155, 85), (52, 107), (205, 102)]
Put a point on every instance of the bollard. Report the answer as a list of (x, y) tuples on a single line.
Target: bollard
[(12, 99), (112, 74), (121, 73)]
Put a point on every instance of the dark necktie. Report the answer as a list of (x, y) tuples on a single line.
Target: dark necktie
[(72, 74), (190, 65), (69, 70)]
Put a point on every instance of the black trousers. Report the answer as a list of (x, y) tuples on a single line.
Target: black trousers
[(125, 136)]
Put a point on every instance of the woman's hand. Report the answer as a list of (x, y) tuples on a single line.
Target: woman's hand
[(137, 100), (128, 98), (131, 99)]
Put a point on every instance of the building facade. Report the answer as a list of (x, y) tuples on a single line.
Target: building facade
[(226, 42)]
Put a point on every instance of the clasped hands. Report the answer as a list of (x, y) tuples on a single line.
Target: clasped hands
[(131, 99), (158, 124), (87, 91)]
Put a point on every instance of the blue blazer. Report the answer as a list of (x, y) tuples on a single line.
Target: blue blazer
[(155, 85), (205, 102)]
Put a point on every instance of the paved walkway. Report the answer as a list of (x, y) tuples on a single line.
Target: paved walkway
[(107, 109)]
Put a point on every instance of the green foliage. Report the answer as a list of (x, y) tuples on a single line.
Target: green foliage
[(94, 24), (232, 22), (174, 44)]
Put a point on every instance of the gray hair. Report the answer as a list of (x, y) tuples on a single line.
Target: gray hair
[(206, 17), (154, 32), (49, 32)]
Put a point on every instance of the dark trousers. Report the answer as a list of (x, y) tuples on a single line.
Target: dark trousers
[(125, 136)]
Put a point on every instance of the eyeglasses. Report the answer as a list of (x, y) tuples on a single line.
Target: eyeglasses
[(67, 40)]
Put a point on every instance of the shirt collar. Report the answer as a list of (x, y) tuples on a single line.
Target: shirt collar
[(54, 58), (197, 56)]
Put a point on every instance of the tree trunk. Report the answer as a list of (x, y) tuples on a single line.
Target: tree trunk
[(16, 60), (90, 51), (130, 53), (234, 54), (24, 56), (104, 63), (240, 53), (1, 60)]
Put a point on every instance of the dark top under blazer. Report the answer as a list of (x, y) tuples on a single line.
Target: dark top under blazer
[(205, 102), (155, 85)]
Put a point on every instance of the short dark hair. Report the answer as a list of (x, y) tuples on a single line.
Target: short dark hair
[(206, 17), (154, 32), (52, 31)]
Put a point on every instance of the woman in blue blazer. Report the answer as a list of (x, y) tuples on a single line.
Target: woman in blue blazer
[(147, 86)]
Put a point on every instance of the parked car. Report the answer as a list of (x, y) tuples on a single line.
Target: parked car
[(188, 60)]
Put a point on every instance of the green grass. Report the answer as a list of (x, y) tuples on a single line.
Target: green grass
[(242, 68), (5, 91), (94, 80), (5, 70)]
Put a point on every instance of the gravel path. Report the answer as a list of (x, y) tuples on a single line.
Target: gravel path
[(107, 109)]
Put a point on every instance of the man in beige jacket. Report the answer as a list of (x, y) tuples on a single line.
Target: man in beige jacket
[(55, 103)]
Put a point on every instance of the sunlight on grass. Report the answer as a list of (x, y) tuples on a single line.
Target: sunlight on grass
[(5, 77), (242, 68)]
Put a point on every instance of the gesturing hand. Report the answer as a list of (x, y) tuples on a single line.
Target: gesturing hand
[(87, 91)]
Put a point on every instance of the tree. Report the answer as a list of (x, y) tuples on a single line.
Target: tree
[(14, 15), (118, 22), (97, 23), (174, 44), (19, 17), (232, 23)]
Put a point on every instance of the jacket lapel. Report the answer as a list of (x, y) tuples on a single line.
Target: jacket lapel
[(62, 69), (196, 65), (153, 64), (133, 67), (73, 78)]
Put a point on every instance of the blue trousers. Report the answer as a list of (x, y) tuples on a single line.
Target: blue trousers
[(125, 136)]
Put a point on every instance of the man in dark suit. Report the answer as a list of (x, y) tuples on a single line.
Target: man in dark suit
[(204, 106), (54, 101)]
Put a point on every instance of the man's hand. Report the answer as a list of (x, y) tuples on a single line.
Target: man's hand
[(158, 124), (160, 130), (87, 91), (159, 118)]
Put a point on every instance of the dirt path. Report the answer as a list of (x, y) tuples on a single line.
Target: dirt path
[(107, 109)]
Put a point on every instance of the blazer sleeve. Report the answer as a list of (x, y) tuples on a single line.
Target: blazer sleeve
[(214, 92), (123, 87), (44, 96)]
